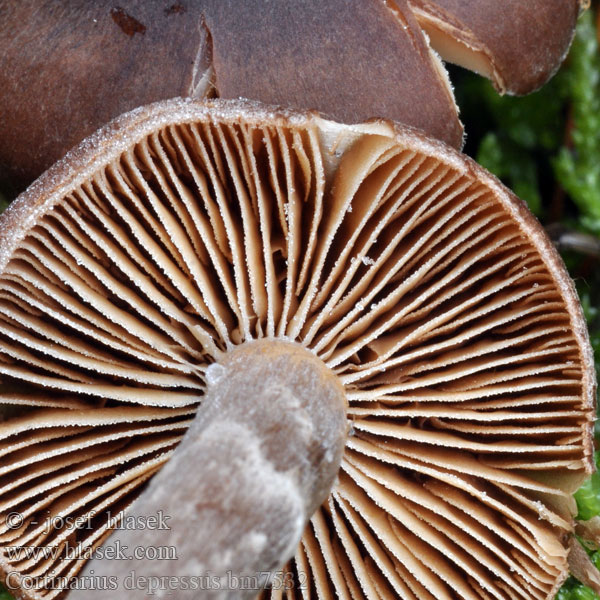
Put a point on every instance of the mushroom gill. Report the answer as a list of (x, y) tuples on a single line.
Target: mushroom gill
[(183, 230)]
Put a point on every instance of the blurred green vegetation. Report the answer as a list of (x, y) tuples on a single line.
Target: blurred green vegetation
[(546, 147), (573, 590), (588, 497), (577, 166)]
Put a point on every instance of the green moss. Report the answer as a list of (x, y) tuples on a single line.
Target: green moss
[(578, 166), (4, 594), (573, 590), (588, 496)]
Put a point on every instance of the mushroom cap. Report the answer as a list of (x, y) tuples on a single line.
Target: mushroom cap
[(76, 65), (518, 45), (183, 229)]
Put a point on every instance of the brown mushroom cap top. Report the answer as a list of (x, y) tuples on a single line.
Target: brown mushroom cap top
[(73, 67), (182, 230), (518, 45)]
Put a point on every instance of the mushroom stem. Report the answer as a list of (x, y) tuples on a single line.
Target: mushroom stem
[(260, 457)]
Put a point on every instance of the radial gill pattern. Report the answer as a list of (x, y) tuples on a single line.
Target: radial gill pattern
[(184, 229)]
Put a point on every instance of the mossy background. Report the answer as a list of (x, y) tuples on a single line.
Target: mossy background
[(546, 147)]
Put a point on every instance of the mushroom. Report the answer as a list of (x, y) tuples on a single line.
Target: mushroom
[(191, 258), (518, 45), (74, 66)]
